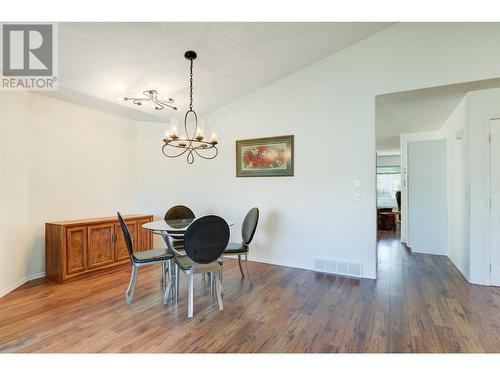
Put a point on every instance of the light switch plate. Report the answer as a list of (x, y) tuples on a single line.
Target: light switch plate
[(357, 196), (357, 183)]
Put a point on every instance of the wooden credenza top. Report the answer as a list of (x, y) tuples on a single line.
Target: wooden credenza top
[(98, 220)]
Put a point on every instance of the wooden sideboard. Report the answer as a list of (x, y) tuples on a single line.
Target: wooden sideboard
[(79, 247)]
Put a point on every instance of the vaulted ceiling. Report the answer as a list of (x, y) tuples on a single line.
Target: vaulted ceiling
[(99, 62)]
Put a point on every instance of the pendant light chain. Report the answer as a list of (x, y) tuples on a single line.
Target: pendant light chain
[(191, 86)]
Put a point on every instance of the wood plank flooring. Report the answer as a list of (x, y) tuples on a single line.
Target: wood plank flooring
[(420, 303)]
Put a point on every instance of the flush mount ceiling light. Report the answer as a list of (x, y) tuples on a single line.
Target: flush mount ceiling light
[(188, 143), (151, 96)]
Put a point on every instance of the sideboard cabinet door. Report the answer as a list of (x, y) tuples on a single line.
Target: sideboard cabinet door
[(145, 241), (76, 249), (100, 245), (121, 251)]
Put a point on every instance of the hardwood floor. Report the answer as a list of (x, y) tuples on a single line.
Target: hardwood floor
[(420, 303)]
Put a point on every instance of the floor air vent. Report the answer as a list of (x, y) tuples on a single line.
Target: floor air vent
[(338, 267)]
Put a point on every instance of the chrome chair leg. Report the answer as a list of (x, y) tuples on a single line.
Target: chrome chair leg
[(168, 290), (177, 271), (246, 268), (220, 278), (218, 287), (190, 295), (239, 264), (163, 273), (129, 294), (212, 285)]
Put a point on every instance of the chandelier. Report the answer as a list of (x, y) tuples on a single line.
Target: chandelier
[(151, 96), (190, 143)]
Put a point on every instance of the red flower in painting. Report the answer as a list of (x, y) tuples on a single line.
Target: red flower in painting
[(262, 149)]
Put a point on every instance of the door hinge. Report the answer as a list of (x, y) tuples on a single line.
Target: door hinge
[(490, 137), (490, 267)]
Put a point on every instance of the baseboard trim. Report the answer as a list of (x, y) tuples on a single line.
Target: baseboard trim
[(24, 280), (286, 264), (467, 277)]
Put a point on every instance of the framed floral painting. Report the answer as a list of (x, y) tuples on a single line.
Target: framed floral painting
[(265, 157)]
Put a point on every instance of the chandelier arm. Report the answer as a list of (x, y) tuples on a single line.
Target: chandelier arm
[(170, 106), (164, 102), (195, 124), (190, 157), (173, 156), (178, 146), (140, 100), (134, 98), (207, 157), (159, 105)]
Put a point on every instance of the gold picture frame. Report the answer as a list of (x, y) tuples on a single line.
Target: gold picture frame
[(265, 157)]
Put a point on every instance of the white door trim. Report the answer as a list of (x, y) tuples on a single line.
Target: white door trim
[(490, 260)]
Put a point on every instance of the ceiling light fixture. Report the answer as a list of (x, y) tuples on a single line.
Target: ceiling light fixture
[(151, 96), (190, 143)]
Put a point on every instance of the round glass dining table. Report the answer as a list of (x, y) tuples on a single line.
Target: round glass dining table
[(176, 227)]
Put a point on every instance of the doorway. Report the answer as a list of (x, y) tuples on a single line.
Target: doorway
[(389, 194)]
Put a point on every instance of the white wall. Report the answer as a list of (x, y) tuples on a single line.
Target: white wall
[(458, 187), (57, 161), (481, 107), (330, 108), (468, 180)]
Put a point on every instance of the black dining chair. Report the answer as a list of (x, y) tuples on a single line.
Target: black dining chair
[(204, 242), (247, 233), (179, 212), (143, 258)]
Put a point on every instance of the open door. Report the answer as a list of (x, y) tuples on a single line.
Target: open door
[(427, 197)]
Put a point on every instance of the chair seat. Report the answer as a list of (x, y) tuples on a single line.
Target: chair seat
[(154, 255), (178, 244), (235, 248), (187, 264)]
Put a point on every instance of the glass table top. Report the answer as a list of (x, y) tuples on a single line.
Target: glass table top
[(173, 225)]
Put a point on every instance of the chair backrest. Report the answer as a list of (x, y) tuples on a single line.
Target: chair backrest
[(126, 234), (179, 212), (249, 225), (206, 238)]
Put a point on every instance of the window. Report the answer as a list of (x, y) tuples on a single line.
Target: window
[(388, 183)]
